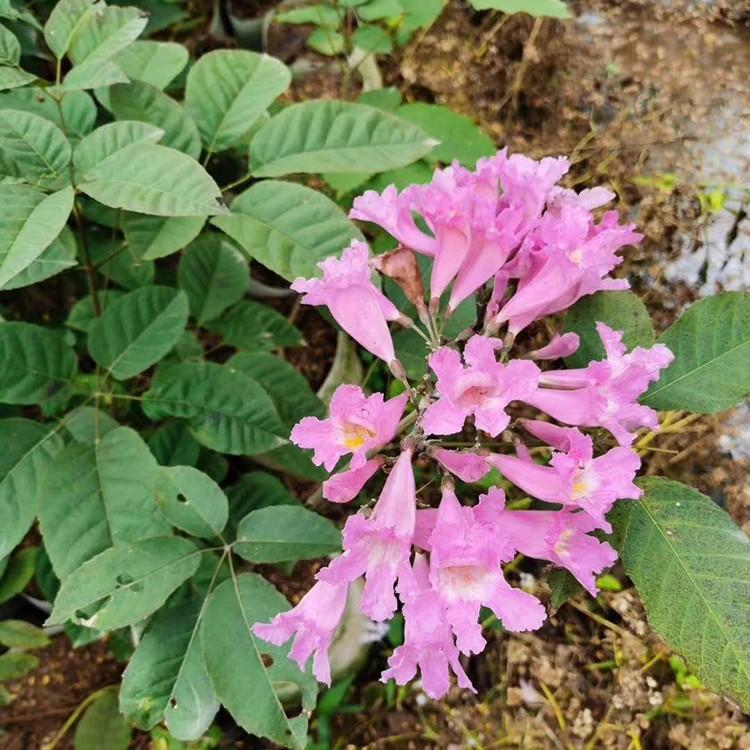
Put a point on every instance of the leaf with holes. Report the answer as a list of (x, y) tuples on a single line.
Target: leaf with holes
[(621, 311), (192, 501), (125, 583), (711, 346), (282, 533), (29, 224), (335, 136), (691, 567), (166, 678), (152, 237), (151, 179), (254, 326), (213, 275), (141, 101), (228, 411), (29, 448), (96, 496), (37, 363), (108, 139), (228, 90), (244, 670), (138, 329), (289, 228)]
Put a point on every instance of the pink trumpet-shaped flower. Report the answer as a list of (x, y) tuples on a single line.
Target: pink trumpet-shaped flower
[(465, 558), (574, 478), (313, 622), (564, 258), (562, 538), (482, 388), (346, 485), (428, 640), (605, 394), (357, 424), (560, 346), (466, 465), (379, 547), (356, 304)]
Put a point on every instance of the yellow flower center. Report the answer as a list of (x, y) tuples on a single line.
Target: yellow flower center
[(355, 436)]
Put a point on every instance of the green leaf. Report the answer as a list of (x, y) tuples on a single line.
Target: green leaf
[(81, 315), (64, 20), (288, 228), (691, 567), (101, 35), (334, 136), (286, 386), (192, 501), (253, 491), (711, 344), (228, 90), (13, 78), (96, 496), (103, 726), (166, 678), (152, 237), (375, 39), (278, 534), (621, 311), (564, 587), (125, 583), (388, 99), (228, 412), (138, 329), (108, 139), (460, 138), (254, 326), (87, 424), (157, 63), (22, 635), (29, 224), (78, 108), (173, 445), (244, 680), (152, 179), (118, 263), (37, 363), (29, 447), (54, 259), (537, 8), (139, 100), (31, 147), (93, 75), (375, 10), (18, 573), (213, 275), (10, 49), (17, 664), (326, 41), (318, 15)]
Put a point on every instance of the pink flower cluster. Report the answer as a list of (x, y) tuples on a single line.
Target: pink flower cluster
[(508, 226)]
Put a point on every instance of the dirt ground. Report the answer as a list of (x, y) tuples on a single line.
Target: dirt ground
[(653, 99)]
